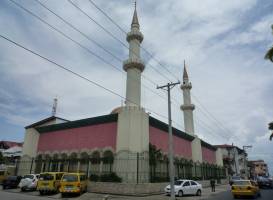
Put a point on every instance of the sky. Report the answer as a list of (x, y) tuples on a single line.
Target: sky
[(222, 42)]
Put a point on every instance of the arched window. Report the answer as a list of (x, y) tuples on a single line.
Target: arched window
[(38, 164), (107, 160), (95, 163), (73, 162), (84, 159)]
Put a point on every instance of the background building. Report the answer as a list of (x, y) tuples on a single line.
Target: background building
[(235, 160), (258, 168)]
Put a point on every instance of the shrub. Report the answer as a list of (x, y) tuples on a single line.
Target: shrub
[(112, 177), (94, 177)]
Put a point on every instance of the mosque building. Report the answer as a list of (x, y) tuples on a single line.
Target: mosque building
[(121, 141)]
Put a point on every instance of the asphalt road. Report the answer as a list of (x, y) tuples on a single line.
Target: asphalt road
[(266, 194), (221, 195)]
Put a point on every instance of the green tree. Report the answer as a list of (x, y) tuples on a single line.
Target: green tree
[(270, 127), (2, 158), (154, 156), (269, 54)]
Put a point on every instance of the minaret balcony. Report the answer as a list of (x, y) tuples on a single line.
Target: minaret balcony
[(187, 107), (186, 86), (133, 63), (134, 34)]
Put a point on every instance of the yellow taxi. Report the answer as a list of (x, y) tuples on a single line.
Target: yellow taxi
[(49, 182), (75, 183), (245, 188)]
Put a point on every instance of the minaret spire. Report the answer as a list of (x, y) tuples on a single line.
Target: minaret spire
[(135, 22), (185, 73), (134, 65), (187, 107)]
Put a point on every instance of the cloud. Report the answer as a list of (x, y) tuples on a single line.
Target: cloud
[(223, 42)]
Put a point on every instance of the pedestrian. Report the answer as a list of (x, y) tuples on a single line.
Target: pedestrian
[(212, 185)]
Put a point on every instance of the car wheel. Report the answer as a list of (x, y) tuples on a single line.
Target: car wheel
[(41, 192), (180, 193), (4, 187), (198, 193), (235, 196), (23, 189)]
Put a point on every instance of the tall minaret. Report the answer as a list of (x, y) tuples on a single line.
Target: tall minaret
[(187, 107), (134, 65), (133, 121)]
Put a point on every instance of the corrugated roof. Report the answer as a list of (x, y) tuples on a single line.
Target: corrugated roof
[(44, 121)]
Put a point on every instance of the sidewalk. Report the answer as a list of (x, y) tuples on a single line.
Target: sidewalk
[(205, 193)]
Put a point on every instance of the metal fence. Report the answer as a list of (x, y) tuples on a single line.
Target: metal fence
[(136, 167)]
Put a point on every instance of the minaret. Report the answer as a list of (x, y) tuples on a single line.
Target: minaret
[(134, 65), (187, 107), (133, 121)]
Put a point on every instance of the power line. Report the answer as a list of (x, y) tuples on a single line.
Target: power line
[(79, 44), (76, 41), (151, 56), (112, 35), (86, 36), (72, 72), (120, 28), (219, 124)]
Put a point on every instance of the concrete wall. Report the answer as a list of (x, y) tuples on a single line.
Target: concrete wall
[(135, 189)]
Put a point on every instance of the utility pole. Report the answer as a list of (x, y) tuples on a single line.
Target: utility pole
[(168, 88), (245, 159)]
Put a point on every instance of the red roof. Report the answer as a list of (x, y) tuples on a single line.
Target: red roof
[(10, 144)]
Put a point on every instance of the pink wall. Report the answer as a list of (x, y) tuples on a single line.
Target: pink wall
[(208, 155), (89, 137), (160, 139)]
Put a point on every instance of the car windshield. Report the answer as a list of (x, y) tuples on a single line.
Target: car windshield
[(178, 182), (70, 178), (12, 178), (46, 177), (236, 178), (28, 176), (241, 183)]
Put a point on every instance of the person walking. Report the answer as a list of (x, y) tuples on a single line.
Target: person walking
[(212, 185)]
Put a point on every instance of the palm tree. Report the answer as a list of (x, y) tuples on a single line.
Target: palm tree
[(270, 127), (269, 54)]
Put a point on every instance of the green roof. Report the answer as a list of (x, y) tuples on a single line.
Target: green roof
[(165, 127), (207, 145), (79, 123)]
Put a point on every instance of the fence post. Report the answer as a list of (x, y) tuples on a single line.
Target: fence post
[(137, 166), (31, 165)]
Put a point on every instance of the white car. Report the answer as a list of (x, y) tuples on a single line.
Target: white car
[(29, 182), (185, 187)]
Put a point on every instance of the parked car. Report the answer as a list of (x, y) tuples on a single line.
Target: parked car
[(73, 183), (234, 178), (264, 182), (185, 187), (29, 182), (11, 182), (49, 182), (245, 188)]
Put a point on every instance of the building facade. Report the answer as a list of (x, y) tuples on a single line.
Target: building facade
[(128, 141), (258, 168), (235, 160)]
